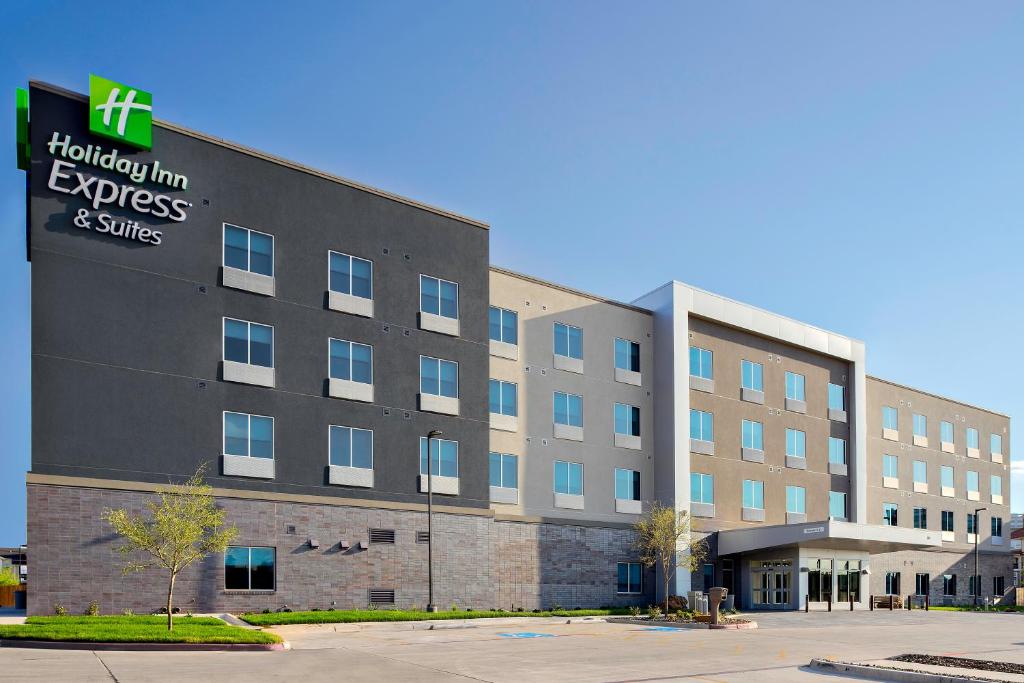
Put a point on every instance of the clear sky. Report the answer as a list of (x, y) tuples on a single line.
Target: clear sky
[(856, 165)]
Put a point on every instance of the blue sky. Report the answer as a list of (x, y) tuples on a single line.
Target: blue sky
[(855, 165)]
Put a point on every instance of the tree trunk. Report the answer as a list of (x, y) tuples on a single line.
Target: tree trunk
[(170, 596), (668, 580)]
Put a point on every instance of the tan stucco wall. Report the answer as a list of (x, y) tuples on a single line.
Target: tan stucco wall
[(539, 306)]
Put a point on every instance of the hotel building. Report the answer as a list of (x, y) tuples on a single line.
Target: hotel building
[(300, 334)]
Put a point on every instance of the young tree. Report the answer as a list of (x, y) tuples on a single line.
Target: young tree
[(664, 538), (183, 526)]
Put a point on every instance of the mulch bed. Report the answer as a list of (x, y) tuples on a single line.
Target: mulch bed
[(962, 662)]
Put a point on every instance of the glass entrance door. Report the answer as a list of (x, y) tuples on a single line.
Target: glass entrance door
[(848, 581), (771, 583)]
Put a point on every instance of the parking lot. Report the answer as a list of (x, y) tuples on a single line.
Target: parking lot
[(528, 650)]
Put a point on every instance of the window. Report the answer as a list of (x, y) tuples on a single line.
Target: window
[(503, 398), (921, 583), (627, 420), (972, 523), (837, 504), (504, 470), (997, 527), (889, 514), (627, 484), (248, 569), (973, 584), (444, 457), (947, 520), (568, 409), (890, 466), (248, 250), (949, 585), (920, 518), (627, 355), (972, 481), (920, 472), (503, 325), (972, 437), (836, 397), (753, 494), (250, 343), (702, 488), (947, 476), (630, 577), (568, 341), (439, 377), (996, 485), (439, 297), (350, 275), (351, 361), (890, 419), (892, 583), (753, 435), (796, 498), (796, 443), (920, 425), (568, 478), (351, 447), (248, 435), (998, 585), (795, 386), (753, 375), (702, 425), (946, 432), (701, 363), (837, 450), (995, 444)]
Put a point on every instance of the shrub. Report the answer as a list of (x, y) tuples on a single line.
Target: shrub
[(454, 608), (469, 609), (654, 612), (59, 610), (127, 612), (266, 610), (634, 610), (93, 610)]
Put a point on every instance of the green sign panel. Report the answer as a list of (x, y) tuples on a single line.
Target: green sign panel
[(21, 121), (120, 112)]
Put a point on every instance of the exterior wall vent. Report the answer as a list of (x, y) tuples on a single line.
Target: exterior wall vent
[(422, 537), (382, 536), (382, 596)]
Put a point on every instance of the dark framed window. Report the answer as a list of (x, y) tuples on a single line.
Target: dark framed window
[(631, 577), (250, 568)]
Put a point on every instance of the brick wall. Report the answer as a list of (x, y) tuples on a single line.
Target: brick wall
[(935, 564), (478, 562)]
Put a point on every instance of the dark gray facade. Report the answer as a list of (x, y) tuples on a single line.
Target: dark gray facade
[(127, 337)]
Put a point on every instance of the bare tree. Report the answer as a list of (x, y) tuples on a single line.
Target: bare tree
[(183, 526), (664, 538)]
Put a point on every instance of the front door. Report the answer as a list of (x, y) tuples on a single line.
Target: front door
[(771, 587)]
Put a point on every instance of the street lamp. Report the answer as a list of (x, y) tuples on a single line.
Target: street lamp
[(977, 532), (431, 435)]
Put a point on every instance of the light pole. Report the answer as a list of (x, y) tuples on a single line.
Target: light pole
[(977, 532), (431, 435)]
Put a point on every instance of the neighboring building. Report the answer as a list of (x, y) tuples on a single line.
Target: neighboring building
[(300, 334), (16, 559)]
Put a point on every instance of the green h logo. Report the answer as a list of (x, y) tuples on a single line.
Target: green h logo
[(120, 112)]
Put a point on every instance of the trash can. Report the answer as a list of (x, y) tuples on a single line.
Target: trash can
[(716, 596)]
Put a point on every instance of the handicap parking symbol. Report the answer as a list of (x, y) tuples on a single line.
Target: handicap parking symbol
[(526, 634)]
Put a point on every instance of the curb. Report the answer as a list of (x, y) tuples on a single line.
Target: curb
[(874, 673), (145, 647)]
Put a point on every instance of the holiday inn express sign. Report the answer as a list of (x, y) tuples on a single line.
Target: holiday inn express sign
[(122, 114)]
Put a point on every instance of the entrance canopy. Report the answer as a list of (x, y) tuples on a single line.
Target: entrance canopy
[(831, 535)]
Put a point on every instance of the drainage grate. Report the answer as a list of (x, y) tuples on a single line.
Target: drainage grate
[(382, 535), (382, 596)]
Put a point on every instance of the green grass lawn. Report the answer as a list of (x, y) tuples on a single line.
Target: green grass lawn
[(356, 615), (141, 629), (971, 608)]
